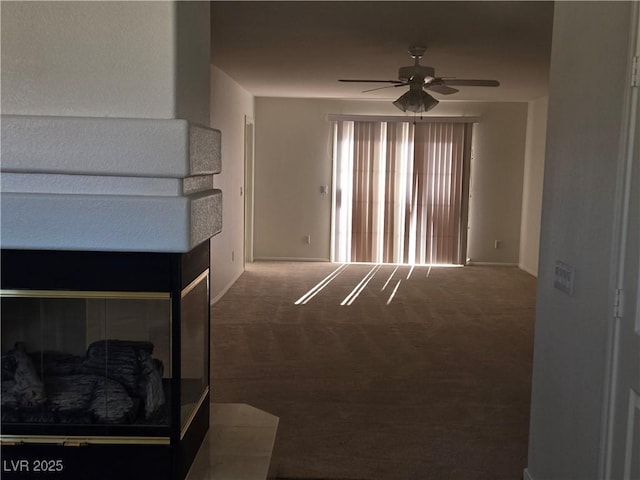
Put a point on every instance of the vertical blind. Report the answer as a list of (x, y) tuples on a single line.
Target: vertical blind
[(401, 192)]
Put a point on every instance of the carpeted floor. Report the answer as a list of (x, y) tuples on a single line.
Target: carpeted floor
[(433, 383)]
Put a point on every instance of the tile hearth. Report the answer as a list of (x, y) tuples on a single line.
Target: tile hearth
[(238, 445)]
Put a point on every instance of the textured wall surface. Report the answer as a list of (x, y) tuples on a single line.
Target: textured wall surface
[(579, 205), (113, 59)]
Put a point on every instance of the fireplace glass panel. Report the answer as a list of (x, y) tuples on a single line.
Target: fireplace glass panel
[(86, 358), (194, 337)]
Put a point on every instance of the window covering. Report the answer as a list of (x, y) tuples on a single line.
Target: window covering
[(401, 191)]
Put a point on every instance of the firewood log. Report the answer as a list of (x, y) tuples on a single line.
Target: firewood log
[(29, 389), (153, 391), (8, 398), (70, 394), (112, 404)]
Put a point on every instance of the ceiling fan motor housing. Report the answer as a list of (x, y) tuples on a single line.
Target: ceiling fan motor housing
[(423, 71)]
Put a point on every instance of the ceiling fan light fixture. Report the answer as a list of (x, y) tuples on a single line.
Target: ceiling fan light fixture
[(416, 101)]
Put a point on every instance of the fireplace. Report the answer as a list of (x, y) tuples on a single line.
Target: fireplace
[(104, 296), (104, 362)]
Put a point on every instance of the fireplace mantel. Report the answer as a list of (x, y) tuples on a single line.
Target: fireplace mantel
[(108, 184)]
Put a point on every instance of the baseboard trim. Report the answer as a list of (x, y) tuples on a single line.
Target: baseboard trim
[(226, 288), (492, 264), (528, 270), (290, 259), (526, 475)]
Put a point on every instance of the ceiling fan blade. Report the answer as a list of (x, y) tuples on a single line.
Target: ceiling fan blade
[(470, 83), (386, 86), (443, 89), (371, 81)]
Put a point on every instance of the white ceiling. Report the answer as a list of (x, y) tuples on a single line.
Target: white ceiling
[(301, 48)]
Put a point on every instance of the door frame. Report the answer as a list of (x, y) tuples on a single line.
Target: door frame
[(621, 293), (249, 179)]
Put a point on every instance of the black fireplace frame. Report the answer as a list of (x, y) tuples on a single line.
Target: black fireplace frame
[(166, 272)]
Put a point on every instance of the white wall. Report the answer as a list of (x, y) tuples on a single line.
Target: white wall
[(532, 185), (192, 61), (106, 59), (230, 104), (293, 159), (579, 203), (497, 167)]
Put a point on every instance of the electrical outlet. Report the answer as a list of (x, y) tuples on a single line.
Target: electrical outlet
[(307, 239), (497, 244)]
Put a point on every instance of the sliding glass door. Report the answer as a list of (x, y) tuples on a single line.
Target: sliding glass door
[(400, 192)]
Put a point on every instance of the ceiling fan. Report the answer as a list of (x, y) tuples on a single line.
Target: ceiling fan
[(420, 78)]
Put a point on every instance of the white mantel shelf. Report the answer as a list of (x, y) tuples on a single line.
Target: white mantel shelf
[(110, 184)]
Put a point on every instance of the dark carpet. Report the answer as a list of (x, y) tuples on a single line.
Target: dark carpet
[(433, 383)]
